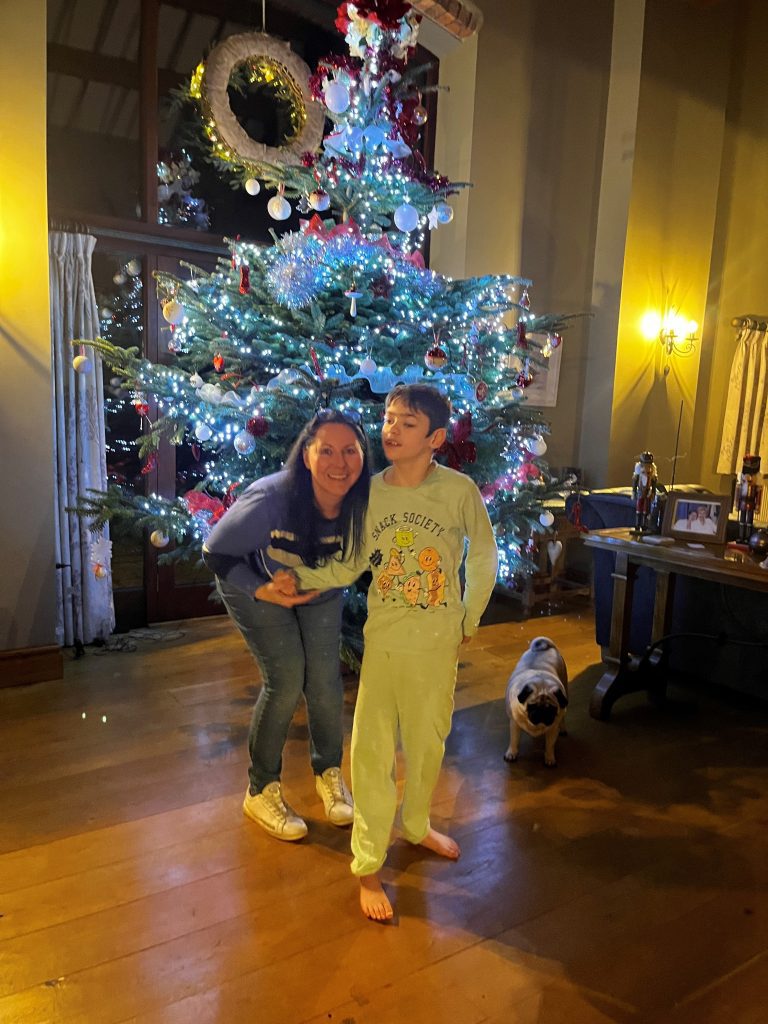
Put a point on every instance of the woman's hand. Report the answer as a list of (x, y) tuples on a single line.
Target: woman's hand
[(269, 592), (286, 582)]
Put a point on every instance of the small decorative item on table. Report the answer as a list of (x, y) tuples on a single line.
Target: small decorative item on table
[(696, 518), (644, 485), (758, 544), (747, 495)]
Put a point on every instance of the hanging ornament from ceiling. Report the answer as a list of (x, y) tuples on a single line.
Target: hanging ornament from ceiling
[(266, 61)]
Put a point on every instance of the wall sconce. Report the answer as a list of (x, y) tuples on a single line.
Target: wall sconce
[(674, 332)]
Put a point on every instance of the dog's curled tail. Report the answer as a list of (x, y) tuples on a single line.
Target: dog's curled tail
[(541, 643)]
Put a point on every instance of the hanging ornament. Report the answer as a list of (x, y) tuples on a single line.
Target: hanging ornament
[(336, 96), (524, 378), (444, 213), (140, 405), (158, 539), (196, 381), (133, 267), (150, 464), (522, 339), (555, 340), (525, 301), (196, 452), (535, 445), (319, 200), (546, 518), (278, 206), (203, 432), (253, 186), (99, 571), (245, 279), (82, 364), (419, 115), (481, 391), (368, 366), (353, 296), (244, 443), (119, 278), (436, 357), (173, 311), (406, 217), (257, 426), (316, 362), (218, 362)]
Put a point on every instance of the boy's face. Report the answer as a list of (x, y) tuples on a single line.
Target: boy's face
[(405, 434)]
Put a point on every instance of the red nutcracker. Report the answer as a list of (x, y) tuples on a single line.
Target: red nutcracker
[(644, 485), (747, 496)]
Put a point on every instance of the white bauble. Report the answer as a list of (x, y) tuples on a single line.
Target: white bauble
[(163, 193), (444, 213), (133, 267), (82, 364), (203, 432), (196, 381), (105, 313), (368, 366), (336, 97), (159, 539), (535, 445), (319, 200), (244, 443), (119, 277), (546, 518), (252, 187), (406, 217), (173, 311), (279, 208)]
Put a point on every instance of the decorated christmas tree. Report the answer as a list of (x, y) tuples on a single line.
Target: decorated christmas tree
[(337, 312)]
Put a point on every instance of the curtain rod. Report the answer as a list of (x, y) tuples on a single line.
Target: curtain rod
[(754, 323), (195, 243)]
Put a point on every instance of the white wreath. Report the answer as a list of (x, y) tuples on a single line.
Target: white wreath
[(219, 66)]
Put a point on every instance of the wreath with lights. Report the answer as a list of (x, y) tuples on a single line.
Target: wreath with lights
[(268, 61)]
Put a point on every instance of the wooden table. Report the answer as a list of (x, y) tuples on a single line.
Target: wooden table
[(716, 564)]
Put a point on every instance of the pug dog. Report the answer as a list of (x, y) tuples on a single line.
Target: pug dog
[(537, 696)]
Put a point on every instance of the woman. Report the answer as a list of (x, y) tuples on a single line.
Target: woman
[(311, 510)]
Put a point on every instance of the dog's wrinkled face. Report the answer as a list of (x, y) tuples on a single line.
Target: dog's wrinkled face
[(543, 708)]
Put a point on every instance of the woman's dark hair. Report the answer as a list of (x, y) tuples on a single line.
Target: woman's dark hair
[(303, 516)]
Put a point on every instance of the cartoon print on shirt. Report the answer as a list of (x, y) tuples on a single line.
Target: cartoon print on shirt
[(412, 588), (429, 561), (390, 573), (404, 538)]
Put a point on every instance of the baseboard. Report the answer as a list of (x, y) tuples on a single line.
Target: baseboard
[(31, 665)]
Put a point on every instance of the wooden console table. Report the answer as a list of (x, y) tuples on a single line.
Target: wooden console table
[(715, 564)]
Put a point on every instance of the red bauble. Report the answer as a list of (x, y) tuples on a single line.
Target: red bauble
[(481, 391), (522, 340), (245, 279), (257, 426), (436, 357), (524, 378), (141, 408), (218, 362), (555, 340)]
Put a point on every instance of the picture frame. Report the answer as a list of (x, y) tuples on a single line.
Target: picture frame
[(542, 392), (697, 518)]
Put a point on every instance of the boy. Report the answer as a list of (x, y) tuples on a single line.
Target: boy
[(418, 517)]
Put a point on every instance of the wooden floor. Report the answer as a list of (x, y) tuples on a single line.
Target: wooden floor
[(628, 884)]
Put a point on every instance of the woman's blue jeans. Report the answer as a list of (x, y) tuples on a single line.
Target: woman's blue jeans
[(297, 650)]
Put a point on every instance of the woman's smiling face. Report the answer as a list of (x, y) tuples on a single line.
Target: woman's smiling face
[(334, 458)]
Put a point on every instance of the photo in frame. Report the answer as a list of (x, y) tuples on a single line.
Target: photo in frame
[(696, 518), (542, 392)]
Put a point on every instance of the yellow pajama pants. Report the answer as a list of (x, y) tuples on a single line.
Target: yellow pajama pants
[(410, 693)]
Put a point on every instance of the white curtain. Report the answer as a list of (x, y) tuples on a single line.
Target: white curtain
[(85, 607), (745, 427)]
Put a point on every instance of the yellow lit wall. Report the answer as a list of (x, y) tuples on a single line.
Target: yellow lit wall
[(675, 186), (27, 597)]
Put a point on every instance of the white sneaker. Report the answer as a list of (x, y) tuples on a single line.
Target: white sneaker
[(336, 798), (269, 810)]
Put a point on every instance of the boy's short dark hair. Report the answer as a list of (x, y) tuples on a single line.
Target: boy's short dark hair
[(423, 398)]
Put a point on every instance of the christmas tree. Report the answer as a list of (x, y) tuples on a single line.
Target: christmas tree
[(336, 313)]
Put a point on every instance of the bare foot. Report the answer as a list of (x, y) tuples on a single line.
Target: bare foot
[(373, 899), (441, 844)]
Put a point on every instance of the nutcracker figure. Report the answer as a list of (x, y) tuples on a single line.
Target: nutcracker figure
[(747, 496), (644, 484)]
